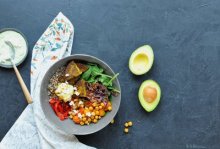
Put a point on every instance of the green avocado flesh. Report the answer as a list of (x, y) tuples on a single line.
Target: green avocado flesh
[(151, 89), (141, 60)]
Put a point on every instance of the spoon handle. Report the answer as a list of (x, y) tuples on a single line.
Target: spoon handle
[(23, 86)]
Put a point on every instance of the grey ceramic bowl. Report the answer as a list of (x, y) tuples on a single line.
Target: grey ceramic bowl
[(26, 52), (68, 125)]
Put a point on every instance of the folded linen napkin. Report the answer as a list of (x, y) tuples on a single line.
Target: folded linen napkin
[(32, 130)]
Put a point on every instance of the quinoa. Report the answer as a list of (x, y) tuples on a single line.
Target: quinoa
[(58, 77)]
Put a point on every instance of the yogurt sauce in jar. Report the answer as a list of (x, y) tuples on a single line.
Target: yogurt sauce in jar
[(20, 46)]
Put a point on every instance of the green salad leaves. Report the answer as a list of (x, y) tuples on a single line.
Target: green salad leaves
[(96, 74)]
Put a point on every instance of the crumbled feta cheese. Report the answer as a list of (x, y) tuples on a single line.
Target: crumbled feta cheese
[(88, 114), (80, 102), (67, 75), (79, 115), (77, 93), (75, 111), (74, 88), (71, 103), (93, 113), (64, 91)]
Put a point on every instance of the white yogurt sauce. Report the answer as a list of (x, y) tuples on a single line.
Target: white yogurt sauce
[(19, 44)]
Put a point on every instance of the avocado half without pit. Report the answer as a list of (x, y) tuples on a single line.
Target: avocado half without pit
[(149, 95), (141, 60)]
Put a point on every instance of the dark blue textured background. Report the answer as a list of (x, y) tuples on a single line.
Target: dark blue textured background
[(185, 36)]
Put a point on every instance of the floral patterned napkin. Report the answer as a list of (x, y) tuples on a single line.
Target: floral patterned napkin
[(32, 130)]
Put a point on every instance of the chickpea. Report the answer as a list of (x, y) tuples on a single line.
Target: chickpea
[(83, 115), (100, 117), (84, 119), (102, 104), (100, 107), (94, 104), (70, 116), (126, 130), (82, 123), (86, 111), (126, 124), (109, 108), (97, 108), (93, 113), (90, 108), (89, 120), (130, 123), (95, 121), (86, 122), (96, 117), (96, 112), (92, 117), (86, 108)]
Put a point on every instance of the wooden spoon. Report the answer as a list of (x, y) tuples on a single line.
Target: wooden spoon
[(20, 80)]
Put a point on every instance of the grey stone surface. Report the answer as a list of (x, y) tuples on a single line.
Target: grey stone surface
[(185, 36)]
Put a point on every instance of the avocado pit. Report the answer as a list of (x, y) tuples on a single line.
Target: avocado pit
[(150, 94)]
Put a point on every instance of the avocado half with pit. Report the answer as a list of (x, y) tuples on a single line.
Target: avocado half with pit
[(141, 60), (149, 95)]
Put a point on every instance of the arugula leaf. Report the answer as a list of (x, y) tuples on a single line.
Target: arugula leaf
[(91, 79), (91, 64), (97, 69), (110, 82), (113, 89), (96, 74), (87, 74), (104, 79)]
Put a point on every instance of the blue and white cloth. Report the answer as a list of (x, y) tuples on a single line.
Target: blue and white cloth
[(32, 130)]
